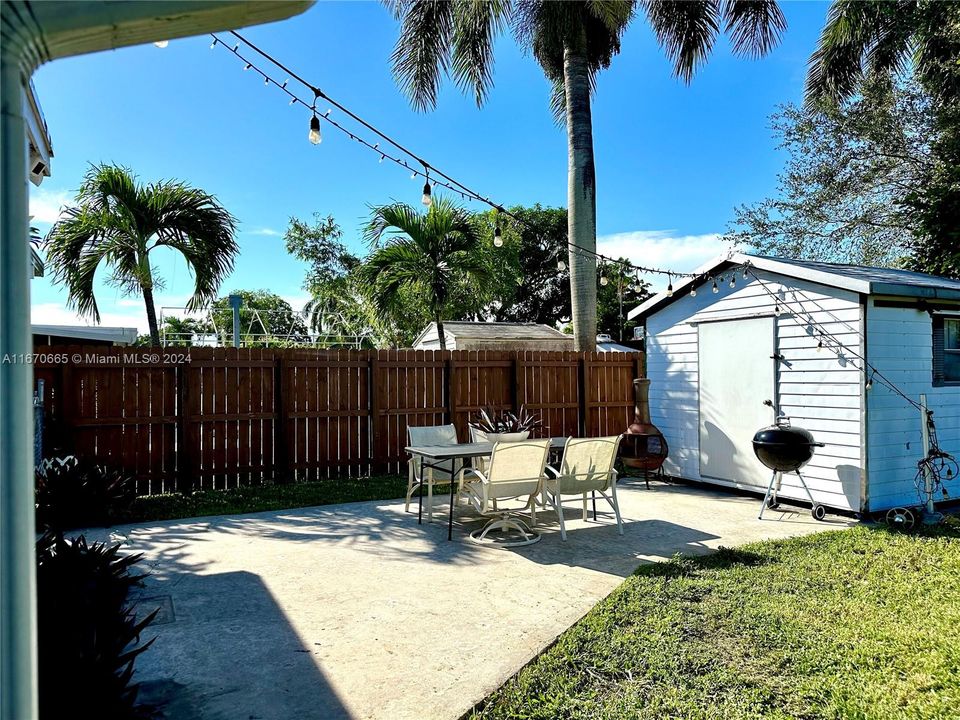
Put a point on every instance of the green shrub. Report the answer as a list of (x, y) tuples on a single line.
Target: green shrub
[(88, 634), (71, 493)]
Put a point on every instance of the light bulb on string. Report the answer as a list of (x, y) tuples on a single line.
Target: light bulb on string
[(247, 66), (733, 280), (314, 135), (693, 290), (776, 310), (382, 158), (746, 269), (162, 43), (266, 80), (427, 198), (669, 286), (497, 237), (214, 43), (820, 344), (561, 265), (293, 101), (715, 289), (869, 384), (603, 280)]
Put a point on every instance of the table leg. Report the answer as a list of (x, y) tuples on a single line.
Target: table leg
[(420, 499), (453, 482)]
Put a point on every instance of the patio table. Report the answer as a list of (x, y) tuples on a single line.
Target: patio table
[(433, 455)]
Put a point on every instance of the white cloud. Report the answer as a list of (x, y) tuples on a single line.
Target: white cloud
[(663, 249), (45, 204), (269, 232)]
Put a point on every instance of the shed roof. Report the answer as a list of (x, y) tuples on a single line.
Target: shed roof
[(856, 278), (495, 330), (86, 332)]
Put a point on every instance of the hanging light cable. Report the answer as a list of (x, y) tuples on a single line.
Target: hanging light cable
[(314, 135)]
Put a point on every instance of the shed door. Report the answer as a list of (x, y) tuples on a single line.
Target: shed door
[(736, 376)]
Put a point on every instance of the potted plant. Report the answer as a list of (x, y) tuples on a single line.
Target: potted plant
[(503, 426)]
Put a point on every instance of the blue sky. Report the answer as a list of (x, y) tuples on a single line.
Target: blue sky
[(672, 160)]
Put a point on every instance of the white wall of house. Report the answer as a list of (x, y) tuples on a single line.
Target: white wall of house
[(899, 343), (821, 392)]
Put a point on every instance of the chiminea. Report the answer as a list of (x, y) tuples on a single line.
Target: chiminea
[(643, 445)]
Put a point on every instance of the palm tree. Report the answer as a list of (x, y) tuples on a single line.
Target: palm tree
[(429, 254), (881, 37), (572, 42), (119, 221)]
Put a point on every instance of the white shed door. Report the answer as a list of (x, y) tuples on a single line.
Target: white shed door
[(736, 376)]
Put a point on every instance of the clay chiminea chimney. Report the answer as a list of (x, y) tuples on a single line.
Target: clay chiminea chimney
[(643, 445)]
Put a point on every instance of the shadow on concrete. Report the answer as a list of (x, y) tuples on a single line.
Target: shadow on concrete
[(217, 636)]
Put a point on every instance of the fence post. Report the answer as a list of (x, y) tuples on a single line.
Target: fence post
[(451, 390), (583, 379), (281, 466), (184, 459), (379, 464), (515, 381)]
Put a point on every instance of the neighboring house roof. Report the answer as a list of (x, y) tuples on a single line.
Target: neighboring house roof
[(614, 347), (856, 278), (38, 136), (494, 331), (84, 332)]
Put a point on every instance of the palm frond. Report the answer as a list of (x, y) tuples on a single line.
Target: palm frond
[(399, 217), (421, 56), (754, 26), (859, 34), (476, 27), (686, 30)]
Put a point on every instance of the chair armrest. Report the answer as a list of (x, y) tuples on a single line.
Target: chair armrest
[(550, 468)]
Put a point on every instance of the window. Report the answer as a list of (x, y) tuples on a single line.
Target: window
[(946, 349)]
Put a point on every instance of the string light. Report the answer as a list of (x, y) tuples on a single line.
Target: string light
[(693, 290), (715, 289), (446, 181), (162, 43), (670, 286), (776, 309), (248, 66), (733, 280), (603, 280), (869, 383), (497, 237), (561, 265), (427, 198), (820, 343), (314, 135)]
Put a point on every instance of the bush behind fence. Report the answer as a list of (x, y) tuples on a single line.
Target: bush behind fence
[(225, 417)]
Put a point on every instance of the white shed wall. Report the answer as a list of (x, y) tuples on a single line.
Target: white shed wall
[(899, 344), (820, 392)]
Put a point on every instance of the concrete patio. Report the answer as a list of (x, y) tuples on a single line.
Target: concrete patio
[(355, 611)]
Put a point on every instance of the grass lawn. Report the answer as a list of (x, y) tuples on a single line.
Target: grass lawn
[(863, 623), (263, 497)]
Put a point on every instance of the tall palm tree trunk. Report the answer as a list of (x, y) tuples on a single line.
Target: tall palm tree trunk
[(441, 333), (151, 314), (581, 200)]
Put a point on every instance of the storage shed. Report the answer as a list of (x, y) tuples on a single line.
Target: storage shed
[(476, 335), (805, 335)]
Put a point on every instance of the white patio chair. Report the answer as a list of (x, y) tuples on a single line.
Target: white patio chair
[(587, 467), (417, 474), (515, 470)]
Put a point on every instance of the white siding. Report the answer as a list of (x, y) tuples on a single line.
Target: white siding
[(820, 391), (899, 344)]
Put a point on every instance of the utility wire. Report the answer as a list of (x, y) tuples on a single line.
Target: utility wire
[(446, 181)]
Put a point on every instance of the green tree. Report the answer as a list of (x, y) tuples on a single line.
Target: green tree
[(571, 41), (851, 166), (435, 256), (864, 38), (119, 221), (532, 277), (620, 291), (337, 305), (264, 317)]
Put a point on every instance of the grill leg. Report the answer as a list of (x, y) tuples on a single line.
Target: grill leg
[(773, 479)]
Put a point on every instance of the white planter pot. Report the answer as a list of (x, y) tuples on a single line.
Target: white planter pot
[(481, 436)]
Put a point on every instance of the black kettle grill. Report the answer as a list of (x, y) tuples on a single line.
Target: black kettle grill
[(784, 448)]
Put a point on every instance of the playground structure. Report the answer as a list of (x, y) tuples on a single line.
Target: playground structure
[(250, 327)]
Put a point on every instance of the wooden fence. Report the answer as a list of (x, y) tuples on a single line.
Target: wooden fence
[(227, 417)]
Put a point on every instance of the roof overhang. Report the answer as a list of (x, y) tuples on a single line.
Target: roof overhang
[(793, 270), (44, 31)]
